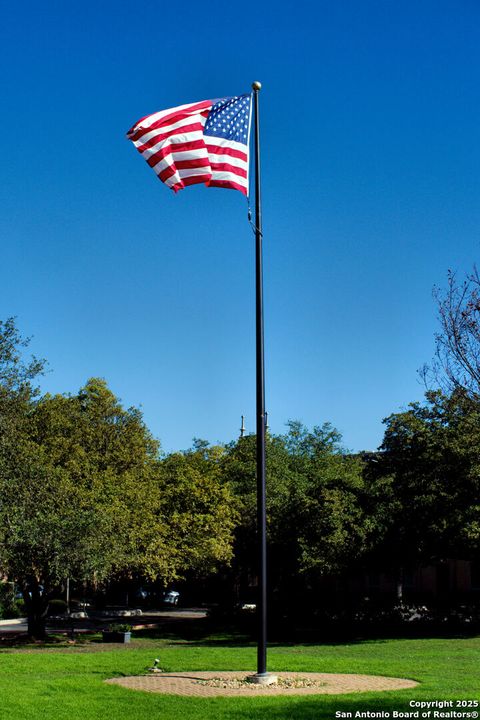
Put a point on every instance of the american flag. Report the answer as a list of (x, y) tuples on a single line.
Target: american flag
[(203, 142)]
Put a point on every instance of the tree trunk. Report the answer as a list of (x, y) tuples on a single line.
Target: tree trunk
[(37, 625), (37, 606)]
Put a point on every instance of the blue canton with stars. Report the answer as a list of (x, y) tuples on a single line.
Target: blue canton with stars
[(229, 118)]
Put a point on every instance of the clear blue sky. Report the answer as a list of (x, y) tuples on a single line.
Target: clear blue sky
[(371, 170)]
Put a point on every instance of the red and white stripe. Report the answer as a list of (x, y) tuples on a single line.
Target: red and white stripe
[(173, 144)]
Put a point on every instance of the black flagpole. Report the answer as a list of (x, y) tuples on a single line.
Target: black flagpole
[(262, 675)]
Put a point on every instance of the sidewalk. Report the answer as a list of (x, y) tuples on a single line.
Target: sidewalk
[(96, 622)]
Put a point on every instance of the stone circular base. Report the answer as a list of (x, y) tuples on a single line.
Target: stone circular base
[(262, 679), (229, 684)]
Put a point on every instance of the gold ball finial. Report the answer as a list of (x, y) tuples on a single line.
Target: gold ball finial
[(257, 85)]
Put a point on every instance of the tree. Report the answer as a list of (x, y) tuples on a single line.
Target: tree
[(426, 482), (325, 500), (315, 521), (201, 509), (457, 358), (89, 498), (17, 389), (16, 374), (81, 497), (17, 396)]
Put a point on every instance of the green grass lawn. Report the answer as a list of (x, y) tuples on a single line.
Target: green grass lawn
[(66, 683)]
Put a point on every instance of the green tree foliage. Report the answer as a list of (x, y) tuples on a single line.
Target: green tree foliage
[(315, 519), (17, 396), (425, 483), (202, 511), (85, 494), (81, 498), (17, 390), (16, 374)]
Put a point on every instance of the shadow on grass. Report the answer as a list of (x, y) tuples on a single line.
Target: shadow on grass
[(208, 632), (312, 708), (216, 632), (196, 632)]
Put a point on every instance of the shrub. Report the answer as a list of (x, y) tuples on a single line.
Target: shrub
[(57, 607), (10, 606), (119, 627)]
